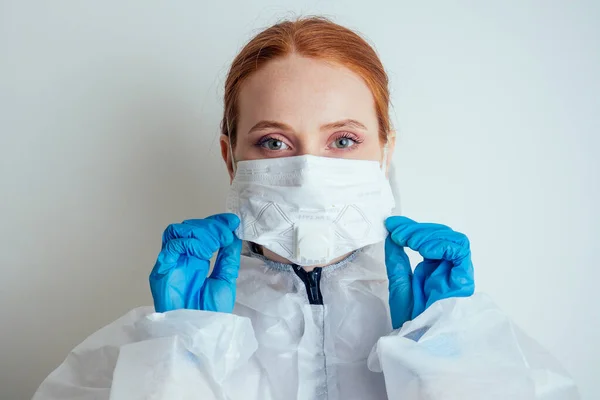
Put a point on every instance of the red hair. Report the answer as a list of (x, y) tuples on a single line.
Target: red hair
[(313, 37)]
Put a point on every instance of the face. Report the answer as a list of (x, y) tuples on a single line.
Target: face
[(295, 106)]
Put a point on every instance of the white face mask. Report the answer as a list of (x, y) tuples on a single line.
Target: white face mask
[(308, 209)]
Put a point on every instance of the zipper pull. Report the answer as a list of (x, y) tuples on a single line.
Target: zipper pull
[(314, 279), (312, 282)]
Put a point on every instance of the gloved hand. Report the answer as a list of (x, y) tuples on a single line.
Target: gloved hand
[(178, 279), (446, 270)]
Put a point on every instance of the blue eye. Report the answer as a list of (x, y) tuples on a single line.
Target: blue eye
[(343, 143), (273, 144)]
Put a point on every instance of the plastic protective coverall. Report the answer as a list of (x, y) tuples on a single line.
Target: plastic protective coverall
[(276, 345)]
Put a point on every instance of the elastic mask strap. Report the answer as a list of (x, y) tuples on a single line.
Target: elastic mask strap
[(230, 147), (385, 159)]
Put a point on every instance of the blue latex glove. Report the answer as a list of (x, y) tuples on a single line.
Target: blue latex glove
[(446, 270), (178, 279)]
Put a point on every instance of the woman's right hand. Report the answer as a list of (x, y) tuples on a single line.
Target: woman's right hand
[(179, 277)]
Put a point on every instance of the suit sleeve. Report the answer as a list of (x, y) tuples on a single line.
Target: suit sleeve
[(468, 349), (178, 354)]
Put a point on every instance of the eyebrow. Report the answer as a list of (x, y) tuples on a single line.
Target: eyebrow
[(263, 125), (346, 123)]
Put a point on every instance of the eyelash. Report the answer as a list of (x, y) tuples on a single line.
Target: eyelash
[(262, 141), (344, 135), (347, 135)]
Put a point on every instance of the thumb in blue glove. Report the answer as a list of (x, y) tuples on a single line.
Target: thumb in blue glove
[(179, 277), (446, 270)]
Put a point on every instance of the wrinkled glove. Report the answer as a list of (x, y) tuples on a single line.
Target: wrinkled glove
[(446, 270), (179, 277)]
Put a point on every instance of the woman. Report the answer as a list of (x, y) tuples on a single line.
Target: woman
[(305, 307)]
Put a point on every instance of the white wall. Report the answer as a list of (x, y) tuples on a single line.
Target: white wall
[(109, 116)]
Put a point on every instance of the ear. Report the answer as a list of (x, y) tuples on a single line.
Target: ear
[(391, 143), (227, 156)]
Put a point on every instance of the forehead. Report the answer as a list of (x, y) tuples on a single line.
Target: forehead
[(299, 91)]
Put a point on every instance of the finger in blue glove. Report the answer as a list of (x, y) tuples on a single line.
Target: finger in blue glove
[(179, 277), (446, 270)]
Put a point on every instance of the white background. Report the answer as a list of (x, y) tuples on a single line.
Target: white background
[(109, 115)]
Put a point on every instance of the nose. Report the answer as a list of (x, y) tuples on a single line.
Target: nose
[(310, 144)]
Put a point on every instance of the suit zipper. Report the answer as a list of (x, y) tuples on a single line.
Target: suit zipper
[(312, 282)]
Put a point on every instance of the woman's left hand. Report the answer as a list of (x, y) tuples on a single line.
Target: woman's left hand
[(446, 270)]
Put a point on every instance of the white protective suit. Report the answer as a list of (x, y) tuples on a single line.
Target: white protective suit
[(278, 346)]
